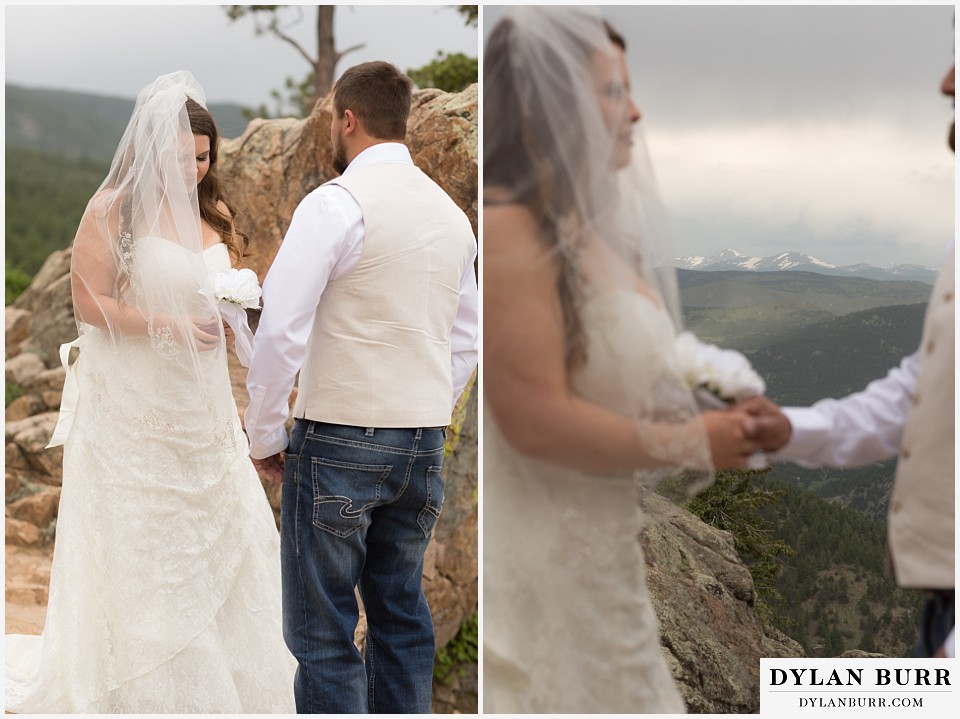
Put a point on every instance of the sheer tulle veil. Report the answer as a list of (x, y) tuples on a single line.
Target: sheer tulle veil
[(148, 206), (558, 138)]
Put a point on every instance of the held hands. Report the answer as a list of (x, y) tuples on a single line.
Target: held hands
[(770, 429), (270, 468), (729, 432), (756, 424), (203, 333), (206, 333)]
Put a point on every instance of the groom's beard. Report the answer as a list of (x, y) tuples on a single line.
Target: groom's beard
[(339, 157)]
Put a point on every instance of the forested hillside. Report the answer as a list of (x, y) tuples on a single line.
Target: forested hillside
[(834, 593), (45, 198)]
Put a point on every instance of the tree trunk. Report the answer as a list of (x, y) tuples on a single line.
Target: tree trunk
[(326, 53)]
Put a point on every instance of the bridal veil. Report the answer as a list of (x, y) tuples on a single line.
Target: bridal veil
[(558, 139)]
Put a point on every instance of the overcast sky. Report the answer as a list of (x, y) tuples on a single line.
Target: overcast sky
[(816, 129), (116, 50)]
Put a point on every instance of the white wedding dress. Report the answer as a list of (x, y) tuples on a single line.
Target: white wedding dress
[(568, 625), (165, 585)]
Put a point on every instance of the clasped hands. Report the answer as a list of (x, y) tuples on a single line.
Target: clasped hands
[(270, 468), (754, 425), (770, 429), (203, 333)]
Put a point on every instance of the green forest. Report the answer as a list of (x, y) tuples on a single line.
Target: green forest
[(835, 592), (815, 540), (45, 198)]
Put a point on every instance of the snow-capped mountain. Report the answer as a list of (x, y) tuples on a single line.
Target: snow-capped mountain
[(799, 262)]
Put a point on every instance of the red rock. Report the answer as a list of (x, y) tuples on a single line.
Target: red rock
[(22, 534), (39, 509)]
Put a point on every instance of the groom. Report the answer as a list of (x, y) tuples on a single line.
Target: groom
[(372, 298)]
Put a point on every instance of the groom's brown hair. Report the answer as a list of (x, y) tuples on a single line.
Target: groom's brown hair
[(379, 95)]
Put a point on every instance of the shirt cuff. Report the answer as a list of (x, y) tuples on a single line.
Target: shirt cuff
[(808, 431), (262, 445), (271, 445)]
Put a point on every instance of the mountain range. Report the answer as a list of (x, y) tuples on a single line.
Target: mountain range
[(77, 124), (797, 261)]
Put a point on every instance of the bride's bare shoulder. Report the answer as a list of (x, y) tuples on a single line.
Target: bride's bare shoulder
[(508, 226)]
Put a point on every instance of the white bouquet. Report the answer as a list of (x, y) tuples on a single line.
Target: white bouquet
[(238, 287), (717, 377), (236, 291)]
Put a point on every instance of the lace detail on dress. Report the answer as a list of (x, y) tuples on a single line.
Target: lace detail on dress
[(569, 626), (162, 340)]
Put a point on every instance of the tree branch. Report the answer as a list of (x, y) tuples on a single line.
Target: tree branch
[(286, 38), (341, 53)]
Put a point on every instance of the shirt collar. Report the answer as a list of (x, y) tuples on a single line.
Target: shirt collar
[(381, 152)]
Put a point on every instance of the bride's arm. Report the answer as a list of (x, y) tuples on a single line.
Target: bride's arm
[(527, 386), (93, 275), (93, 278)]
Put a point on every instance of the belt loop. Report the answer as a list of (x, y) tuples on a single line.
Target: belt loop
[(368, 432)]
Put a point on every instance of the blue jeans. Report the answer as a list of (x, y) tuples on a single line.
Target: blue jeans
[(935, 623), (357, 511)]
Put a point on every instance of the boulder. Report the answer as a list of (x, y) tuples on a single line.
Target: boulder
[(55, 324), (50, 380), (23, 367), (25, 406), (15, 459), (12, 429), (31, 435), (18, 327), (13, 481), (276, 163), (56, 266), (39, 509), (21, 533), (27, 585), (48, 304), (705, 601)]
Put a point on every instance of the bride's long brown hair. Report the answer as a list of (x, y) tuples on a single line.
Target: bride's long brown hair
[(211, 190), (515, 152)]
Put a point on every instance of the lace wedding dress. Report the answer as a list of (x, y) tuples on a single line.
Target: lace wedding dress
[(568, 624), (165, 584)]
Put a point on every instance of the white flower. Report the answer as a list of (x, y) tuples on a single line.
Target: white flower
[(727, 374), (238, 287)]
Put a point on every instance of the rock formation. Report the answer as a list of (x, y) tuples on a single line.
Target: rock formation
[(275, 163), (705, 601)]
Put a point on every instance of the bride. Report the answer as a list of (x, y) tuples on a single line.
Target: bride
[(165, 584), (583, 398)]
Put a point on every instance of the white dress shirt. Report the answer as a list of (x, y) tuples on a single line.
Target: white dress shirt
[(860, 429), (323, 243)]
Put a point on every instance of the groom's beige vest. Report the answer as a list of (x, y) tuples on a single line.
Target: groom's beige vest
[(379, 351), (921, 519)]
